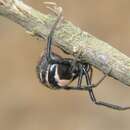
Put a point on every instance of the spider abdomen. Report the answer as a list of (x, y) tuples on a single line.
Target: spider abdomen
[(56, 75)]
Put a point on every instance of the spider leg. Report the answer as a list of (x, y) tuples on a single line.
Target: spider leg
[(89, 70), (93, 98), (102, 78), (50, 36), (79, 84), (80, 78)]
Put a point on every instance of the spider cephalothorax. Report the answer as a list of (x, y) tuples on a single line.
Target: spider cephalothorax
[(57, 73)]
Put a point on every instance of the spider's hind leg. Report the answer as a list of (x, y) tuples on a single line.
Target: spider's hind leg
[(89, 70), (93, 98)]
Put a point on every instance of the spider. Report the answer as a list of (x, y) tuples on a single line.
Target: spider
[(57, 73)]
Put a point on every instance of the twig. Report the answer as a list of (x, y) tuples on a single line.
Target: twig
[(70, 38)]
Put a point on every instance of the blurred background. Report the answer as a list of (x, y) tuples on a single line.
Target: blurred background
[(25, 104)]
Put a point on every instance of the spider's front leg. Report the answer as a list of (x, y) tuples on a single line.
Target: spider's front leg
[(58, 11)]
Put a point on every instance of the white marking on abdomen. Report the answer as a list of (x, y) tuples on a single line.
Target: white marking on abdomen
[(61, 82), (46, 78), (40, 75)]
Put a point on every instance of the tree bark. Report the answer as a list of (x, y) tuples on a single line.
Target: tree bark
[(70, 39)]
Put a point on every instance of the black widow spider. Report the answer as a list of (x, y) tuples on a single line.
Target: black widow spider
[(57, 73)]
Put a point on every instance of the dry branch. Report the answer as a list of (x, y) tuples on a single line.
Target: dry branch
[(70, 38)]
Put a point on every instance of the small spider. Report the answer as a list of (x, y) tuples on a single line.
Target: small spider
[(57, 73)]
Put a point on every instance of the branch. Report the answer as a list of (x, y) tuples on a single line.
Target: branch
[(70, 39)]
